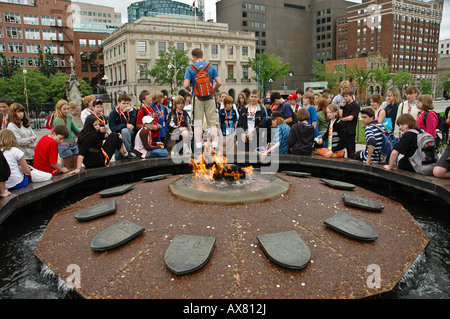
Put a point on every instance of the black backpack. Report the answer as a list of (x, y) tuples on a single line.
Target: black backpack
[(440, 138)]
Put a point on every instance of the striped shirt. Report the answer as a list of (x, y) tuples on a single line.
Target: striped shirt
[(374, 137)]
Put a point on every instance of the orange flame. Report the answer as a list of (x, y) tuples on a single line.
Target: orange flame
[(215, 165)]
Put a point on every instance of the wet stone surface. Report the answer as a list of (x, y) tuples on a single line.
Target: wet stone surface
[(238, 266)]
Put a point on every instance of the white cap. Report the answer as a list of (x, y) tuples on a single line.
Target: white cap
[(147, 119)]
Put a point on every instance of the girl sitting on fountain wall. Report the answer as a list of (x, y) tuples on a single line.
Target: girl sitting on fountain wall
[(179, 128), (427, 119), (16, 161), (19, 124), (68, 149), (335, 135), (407, 144), (96, 150)]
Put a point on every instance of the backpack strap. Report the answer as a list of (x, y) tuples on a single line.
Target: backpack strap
[(195, 68), (198, 70)]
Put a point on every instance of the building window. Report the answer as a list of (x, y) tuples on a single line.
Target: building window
[(83, 43), (245, 72), (49, 35), (33, 62), (92, 43), (2, 47), (46, 20), (180, 46), (142, 46), (14, 33), (230, 50), (33, 47), (162, 46), (143, 71), (230, 73), (244, 51), (30, 19), (214, 49), (15, 47), (12, 17)]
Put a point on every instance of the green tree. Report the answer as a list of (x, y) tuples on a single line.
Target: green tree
[(267, 68), (361, 76), (169, 69), (323, 73), (7, 66), (36, 87), (445, 82), (382, 76), (401, 79), (46, 62), (426, 87)]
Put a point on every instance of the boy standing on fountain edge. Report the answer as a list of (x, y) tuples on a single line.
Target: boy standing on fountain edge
[(204, 105)]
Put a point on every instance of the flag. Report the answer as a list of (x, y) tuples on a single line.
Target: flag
[(193, 6)]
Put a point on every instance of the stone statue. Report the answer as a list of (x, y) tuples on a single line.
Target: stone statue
[(73, 87)]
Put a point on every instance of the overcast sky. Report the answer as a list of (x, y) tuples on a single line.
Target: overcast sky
[(210, 8)]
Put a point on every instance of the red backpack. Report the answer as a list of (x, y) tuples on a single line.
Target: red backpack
[(203, 86), (49, 120)]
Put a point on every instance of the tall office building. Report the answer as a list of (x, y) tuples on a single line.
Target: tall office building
[(407, 31), (298, 31), (166, 8)]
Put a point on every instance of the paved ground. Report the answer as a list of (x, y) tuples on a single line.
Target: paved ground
[(238, 268)]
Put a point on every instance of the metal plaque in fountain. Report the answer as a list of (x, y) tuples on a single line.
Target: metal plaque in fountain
[(119, 190), (97, 211), (188, 253), (337, 184), (115, 236), (286, 249), (351, 227), (362, 202)]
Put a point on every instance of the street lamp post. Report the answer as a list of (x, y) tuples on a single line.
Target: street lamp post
[(25, 91)]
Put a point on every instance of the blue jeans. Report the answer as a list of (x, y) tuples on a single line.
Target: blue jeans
[(127, 138), (160, 152)]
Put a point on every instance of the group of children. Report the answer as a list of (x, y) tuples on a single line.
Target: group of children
[(305, 123)]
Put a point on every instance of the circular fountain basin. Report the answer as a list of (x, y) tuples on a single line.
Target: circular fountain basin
[(257, 188)]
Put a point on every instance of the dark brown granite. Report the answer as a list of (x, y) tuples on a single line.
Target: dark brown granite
[(237, 268)]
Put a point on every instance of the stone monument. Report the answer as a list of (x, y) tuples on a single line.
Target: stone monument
[(73, 87)]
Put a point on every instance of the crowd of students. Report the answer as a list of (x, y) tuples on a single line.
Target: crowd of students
[(304, 123)]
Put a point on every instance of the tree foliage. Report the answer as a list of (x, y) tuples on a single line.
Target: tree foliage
[(267, 68), (382, 76), (361, 76), (323, 73), (426, 87), (402, 79), (46, 62), (170, 67), (445, 82), (7, 66), (40, 89)]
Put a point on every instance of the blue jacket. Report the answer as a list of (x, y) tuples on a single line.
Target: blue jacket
[(118, 121)]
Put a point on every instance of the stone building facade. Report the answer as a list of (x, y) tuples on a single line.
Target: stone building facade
[(133, 49)]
